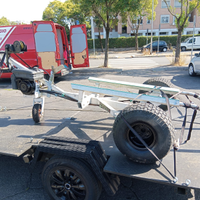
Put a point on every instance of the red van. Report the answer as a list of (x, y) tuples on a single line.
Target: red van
[(47, 46)]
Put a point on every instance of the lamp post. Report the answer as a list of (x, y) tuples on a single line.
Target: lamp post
[(194, 24), (152, 26), (92, 30)]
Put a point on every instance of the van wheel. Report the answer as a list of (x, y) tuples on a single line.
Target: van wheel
[(26, 87), (164, 49), (158, 82), (37, 113), (69, 178), (191, 70), (183, 48), (152, 124)]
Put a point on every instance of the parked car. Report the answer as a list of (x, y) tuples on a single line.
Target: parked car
[(194, 65), (162, 46), (187, 44)]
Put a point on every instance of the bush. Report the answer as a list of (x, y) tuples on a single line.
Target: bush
[(126, 42)]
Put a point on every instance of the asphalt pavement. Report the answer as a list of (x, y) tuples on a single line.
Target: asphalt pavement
[(18, 182)]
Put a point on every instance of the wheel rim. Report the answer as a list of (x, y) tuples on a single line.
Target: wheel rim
[(67, 185), (191, 70), (183, 48), (164, 50), (146, 132)]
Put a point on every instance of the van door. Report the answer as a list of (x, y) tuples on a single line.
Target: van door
[(79, 46), (63, 46), (45, 42)]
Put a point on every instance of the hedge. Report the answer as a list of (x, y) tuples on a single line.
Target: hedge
[(126, 42)]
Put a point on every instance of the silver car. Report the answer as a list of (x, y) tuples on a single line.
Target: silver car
[(194, 66)]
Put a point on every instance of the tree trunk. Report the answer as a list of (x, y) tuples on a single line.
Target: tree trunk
[(100, 40), (136, 42), (178, 46), (136, 38), (106, 47)]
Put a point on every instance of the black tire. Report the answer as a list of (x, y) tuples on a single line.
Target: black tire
[(183, 49), (152, 124), (26, 87), (37, 113), (158, 82), (69, 178), (191, 70)]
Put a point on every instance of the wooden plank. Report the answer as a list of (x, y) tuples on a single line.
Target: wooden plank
[(139, 86)]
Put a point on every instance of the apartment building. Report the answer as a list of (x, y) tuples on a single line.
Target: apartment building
[(164, 23)]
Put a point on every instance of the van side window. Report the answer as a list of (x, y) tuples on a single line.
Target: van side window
[(79, 40), (45, 38), (190, 41)]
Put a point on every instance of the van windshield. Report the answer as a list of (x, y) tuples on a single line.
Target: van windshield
[(186, 40)]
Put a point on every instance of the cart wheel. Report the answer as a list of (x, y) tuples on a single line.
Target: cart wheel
[(158, 82), (152, 124), (69, 178), (37, 112)]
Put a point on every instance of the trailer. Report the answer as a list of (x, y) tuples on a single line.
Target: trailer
[(77, 168)]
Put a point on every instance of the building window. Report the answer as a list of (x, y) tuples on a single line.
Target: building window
[(191, 17), (164, 4), (140, 21), (124, 28), (174, 33), (189, 33), (174, 19), (177, 3), (163, 33), (148, 21), (149, 34), (164, 19)]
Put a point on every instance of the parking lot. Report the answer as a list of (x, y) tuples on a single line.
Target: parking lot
[(17, 181)]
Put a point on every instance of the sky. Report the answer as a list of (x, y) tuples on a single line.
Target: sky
[(23, 10)]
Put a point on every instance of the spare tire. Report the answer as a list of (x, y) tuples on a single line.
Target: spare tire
[(154, 127), (158, 82)]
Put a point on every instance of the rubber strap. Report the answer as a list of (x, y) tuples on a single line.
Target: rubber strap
[(183, 126), (191, 125), (146, 146)]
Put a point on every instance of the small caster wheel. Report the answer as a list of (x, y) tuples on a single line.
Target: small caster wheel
[(37, 113)]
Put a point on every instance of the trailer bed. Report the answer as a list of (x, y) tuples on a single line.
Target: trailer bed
[(18, 133)]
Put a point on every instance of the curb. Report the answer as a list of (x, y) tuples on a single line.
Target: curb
[(96, 70), (137, 56)]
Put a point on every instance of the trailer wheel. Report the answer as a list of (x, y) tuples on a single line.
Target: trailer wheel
[(152, 124), (158, 82), (37, 112), (69, 178)]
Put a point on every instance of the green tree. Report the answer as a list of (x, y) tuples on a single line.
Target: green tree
[(181, 19), (56, 12), (64, 13), (135, 17), (4, 21), (107, 11)]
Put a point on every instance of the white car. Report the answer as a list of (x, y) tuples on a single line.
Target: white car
[(194, 66)]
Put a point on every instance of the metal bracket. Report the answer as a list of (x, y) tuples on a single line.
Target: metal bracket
[(84, 100)]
